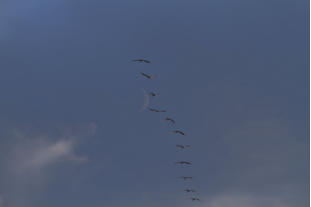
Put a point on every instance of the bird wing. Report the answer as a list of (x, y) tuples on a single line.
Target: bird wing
[(180, 132), (144, 74)]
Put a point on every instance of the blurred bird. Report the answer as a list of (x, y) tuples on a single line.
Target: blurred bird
[(195, 199), (156, 110), (170, 119), (189, 190), (147, 76), (178, 132), (183, 163), (186, 177), (182, 146), (141, 60), (153, 94)]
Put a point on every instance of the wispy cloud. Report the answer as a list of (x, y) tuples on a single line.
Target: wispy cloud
[(248, 200), (51, 152), (31, 156), (1, 201), (33, 153)]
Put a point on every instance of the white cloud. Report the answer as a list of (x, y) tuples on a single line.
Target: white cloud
[(33, 153), (247, 200), (31, 156), (52, 152), (1, 201)]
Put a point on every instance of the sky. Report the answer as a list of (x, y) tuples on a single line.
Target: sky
[(234, 74)]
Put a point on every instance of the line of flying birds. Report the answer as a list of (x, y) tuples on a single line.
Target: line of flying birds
[(169, 119)]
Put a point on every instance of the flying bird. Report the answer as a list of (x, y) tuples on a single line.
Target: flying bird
[(170, 119), (153, 94), (182, 146), (186, 177), (147, 76), (141, 60), (195, 199), (189, 190), (178, 132), (183, 163), (156, 110)]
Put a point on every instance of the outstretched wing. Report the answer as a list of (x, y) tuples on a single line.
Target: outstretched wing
[(141, 60), (170, 119), (180, 132), (144, 74)]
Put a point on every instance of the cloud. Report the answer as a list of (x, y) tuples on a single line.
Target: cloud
[(34, 153), (31, 156), (1, 201), (248, 200), (52, 152)]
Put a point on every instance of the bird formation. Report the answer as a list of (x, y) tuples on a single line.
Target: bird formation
[(170, 120)]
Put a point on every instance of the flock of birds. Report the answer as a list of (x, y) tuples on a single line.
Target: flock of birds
[(179, 132)]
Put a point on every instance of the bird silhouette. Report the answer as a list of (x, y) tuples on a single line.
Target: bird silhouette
[(153, 94), (183, 163), (170, 119), (186, 177), (156, 110), (189, 190), (141, 60), (178, 132), (182, 146), (195, 199), (147, 76)]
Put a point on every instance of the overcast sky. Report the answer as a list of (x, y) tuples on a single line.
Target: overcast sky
[(234, 74)]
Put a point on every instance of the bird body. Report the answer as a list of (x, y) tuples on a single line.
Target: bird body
[(186, 177), (147, 76), (153, 94), (182, 146), (189, 190), (141, 60), (156, 110), (170, 119), (178, 132), (183, 163), (195, 199)]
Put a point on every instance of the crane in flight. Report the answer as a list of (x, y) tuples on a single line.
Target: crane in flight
[(141, 60), (189, 190), (182, 146), (156, 110), (153, 94), (186, 177), (195, 199), (178, 132), (170, 119), (147, 76), (183, 163)]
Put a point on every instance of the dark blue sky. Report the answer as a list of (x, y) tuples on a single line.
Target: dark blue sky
[(233, 74)]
